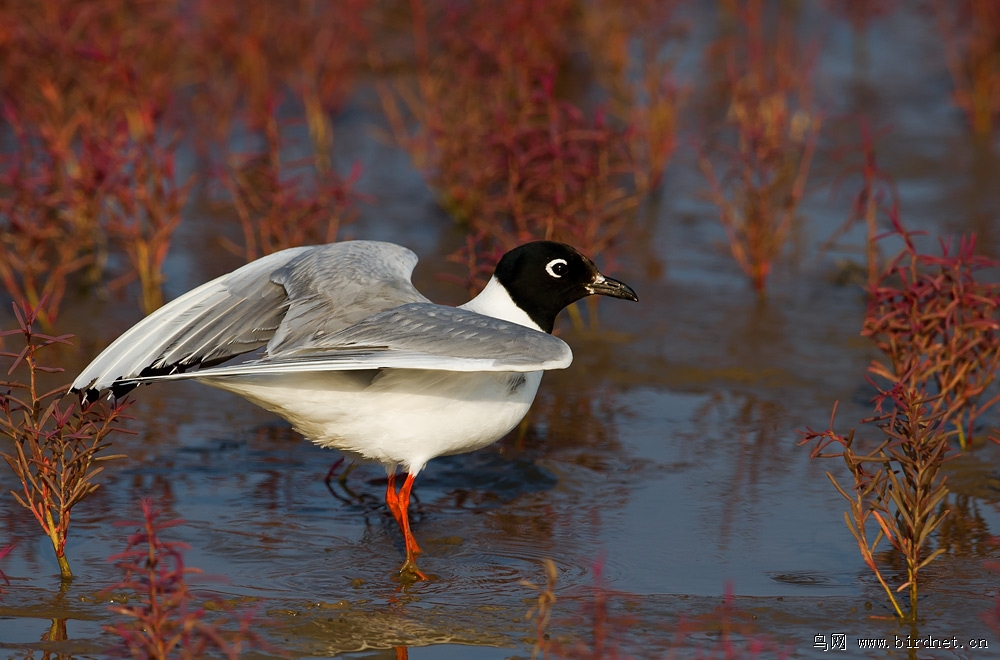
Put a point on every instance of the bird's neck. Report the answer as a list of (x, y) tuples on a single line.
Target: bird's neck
[(495, 301)]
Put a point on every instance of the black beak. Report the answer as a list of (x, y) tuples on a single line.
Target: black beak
[(607, 286)]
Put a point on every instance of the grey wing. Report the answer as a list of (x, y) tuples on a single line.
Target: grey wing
[(413, 336), (334, 287), (274, 300), (447, 332)]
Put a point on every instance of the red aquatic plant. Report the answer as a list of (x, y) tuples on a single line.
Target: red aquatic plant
[(541, 611), (563, 177), (165, 617), (57, 446), (938, 324), (95, 92), (898, 484), (147, 210), (735, 637), (49, 212), (766, 140), (477, 257), (243, 56), (733, 630), (939, 329), (970, 34), (67, 209), (509, 158), (876, 198), (84, 88), (558, 176), (3, 576), (73, 66), (278, 210), (603, 625), (633, 48), (475, 65), (861, 13)]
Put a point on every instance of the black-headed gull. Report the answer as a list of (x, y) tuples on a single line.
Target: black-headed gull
[(355, 358)]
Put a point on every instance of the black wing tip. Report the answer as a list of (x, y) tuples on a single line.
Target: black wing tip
[(86, 394), (120, 388), (91, 395)]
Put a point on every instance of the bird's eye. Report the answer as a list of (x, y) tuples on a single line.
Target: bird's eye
[(557, 267)]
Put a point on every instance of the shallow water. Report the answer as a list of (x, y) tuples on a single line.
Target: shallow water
[(666, 455)]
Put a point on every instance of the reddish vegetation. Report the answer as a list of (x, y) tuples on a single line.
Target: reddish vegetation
[(166, 621), (766, 140), (56, 446), (100, 97), (861, 13), (939, 326), (99, 107), (734, 632), (939, 329), (244, 57), (898, 484), (510, 159), (277, 211), (970, 34), (3, 553), (604, 627), (85, 94), (877, 197)]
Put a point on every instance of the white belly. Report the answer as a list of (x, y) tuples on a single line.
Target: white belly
[(401, 417)]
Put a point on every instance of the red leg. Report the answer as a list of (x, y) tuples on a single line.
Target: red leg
[(401, 501), (392, 499), (412, 549)]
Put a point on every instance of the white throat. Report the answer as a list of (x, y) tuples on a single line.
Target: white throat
[(495, 301)]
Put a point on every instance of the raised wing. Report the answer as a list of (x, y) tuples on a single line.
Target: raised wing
[(278, 301), (413, 336), (338, 285)]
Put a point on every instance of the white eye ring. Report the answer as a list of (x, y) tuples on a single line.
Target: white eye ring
[(550, 267)]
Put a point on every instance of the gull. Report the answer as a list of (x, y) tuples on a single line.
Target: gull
[(356, 359)]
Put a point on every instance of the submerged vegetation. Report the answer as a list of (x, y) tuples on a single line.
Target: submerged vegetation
[(132, 128), (166, 620), (727, 632)]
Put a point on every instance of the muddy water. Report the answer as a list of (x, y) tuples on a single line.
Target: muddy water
[(665, 456)]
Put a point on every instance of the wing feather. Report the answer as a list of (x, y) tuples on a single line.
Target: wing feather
[(279, 301), (413, 336), (439, 330)]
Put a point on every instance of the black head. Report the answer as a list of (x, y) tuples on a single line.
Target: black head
[(544, 277)]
